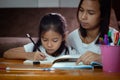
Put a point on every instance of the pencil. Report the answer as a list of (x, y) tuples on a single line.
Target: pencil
[(28, 35), (37, 61), (27, 69)]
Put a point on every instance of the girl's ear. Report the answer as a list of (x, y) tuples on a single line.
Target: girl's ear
[(65, 35)]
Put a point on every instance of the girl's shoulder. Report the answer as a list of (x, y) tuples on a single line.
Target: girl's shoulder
[(74, 32), (28, 47), (113, 30)]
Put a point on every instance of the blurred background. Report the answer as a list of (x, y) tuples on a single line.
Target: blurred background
[(18, 17), (25, 15)]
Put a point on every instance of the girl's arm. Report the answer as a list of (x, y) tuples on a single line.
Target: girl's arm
[(89, 57), (18, 53)]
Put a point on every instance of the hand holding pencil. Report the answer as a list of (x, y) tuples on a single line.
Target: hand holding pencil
[(38, 55)]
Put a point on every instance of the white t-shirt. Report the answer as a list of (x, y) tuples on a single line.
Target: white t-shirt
[(29, 48), (75, 41)]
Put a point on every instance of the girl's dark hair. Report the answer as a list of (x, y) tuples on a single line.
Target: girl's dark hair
[(59, 25), (105, 8)]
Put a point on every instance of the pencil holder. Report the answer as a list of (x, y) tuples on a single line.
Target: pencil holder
[(110, 58)]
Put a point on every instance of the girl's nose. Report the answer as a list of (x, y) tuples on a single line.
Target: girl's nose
[(49, 44), (84, 16)]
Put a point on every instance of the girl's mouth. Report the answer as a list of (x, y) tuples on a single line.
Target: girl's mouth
[(84, 24)]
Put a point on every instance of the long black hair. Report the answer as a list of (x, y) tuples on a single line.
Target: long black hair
[(105, 9), (59, 26)]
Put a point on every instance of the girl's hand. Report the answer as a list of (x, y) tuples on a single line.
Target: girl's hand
[(88, 57), (39, 56)]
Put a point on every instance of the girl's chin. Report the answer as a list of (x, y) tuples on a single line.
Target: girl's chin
[(85, 27), (50, 53)]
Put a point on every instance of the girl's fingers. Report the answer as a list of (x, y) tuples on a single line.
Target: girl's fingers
[(39, 56), (88, 60), (88, 57), (78, 61), (93, 57), (42, 55)]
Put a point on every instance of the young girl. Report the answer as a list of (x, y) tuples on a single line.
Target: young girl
[(93, 17), (51, 41)]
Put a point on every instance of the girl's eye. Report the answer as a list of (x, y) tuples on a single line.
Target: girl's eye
[(55, 40), (91, 12), (44, 40), (81, 10)]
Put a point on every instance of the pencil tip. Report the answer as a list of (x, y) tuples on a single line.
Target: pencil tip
[(28, 35)]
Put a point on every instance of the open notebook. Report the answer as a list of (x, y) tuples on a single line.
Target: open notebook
[(65, 62), (72, 65), (51, 60)]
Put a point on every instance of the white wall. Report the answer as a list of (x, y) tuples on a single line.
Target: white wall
[(18, 3), (69, 3), (38, 3), (48, 3)]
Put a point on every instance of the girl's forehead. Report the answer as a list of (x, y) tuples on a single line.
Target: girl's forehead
[(90, 4), (50, 32)]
